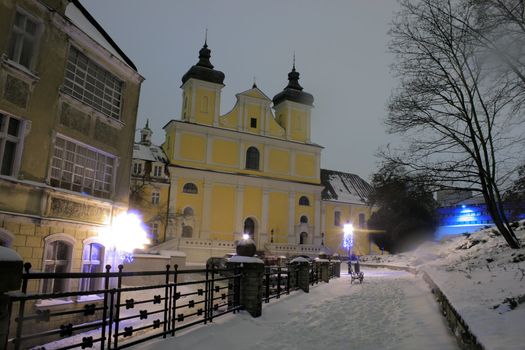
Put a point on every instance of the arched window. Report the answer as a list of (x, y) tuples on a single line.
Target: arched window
[(92, 261), (304, 201), (252, 158), (190, 188), (303, 219), (188, 212), (6, 238), (187, 231), (303, 237), (362, 220), (57, 257), (249, 227)]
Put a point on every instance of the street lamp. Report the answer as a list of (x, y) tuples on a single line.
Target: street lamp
[(348, 237)]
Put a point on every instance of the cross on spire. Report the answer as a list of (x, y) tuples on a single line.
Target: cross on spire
[(206, 37), (294, 60)]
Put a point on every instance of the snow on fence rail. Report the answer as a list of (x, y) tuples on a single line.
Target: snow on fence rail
[(107, 313)]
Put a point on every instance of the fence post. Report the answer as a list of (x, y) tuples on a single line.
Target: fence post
[(252, 276), (337, 265), (302, 266), (11, 267), (324, 267)]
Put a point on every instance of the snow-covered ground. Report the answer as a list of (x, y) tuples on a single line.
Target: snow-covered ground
[(482, 278), (390, 310)]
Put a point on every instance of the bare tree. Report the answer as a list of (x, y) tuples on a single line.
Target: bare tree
[(452, 106)]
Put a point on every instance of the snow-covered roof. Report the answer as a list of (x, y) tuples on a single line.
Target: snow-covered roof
[(151, 153), (81, 18), (344, 187)]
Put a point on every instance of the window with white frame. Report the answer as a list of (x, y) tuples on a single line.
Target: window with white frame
[(57, 257), (155, 229), (92, 84), (157, 171), (23, 40), (92, 262), (155, 198), (79, 168), (137, 168), (11, 130)]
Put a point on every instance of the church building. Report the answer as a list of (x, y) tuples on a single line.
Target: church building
[(254, 170)]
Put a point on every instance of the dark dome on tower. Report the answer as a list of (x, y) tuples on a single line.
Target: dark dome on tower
[(293, 91), (203, 70)]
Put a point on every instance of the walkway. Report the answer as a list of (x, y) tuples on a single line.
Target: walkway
[(390, 310)]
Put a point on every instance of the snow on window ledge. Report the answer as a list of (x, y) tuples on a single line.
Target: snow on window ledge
[(86, 298), (52, 302)]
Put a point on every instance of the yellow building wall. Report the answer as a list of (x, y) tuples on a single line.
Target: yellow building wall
[(204, 112), (222, 215), (305, 165), (230, 119), (334, 234), (225, 152), (253, 203), (278, 216), (298, 125), (189, 199), (279, 161), (307, 210), (253, 111), (193, 147)]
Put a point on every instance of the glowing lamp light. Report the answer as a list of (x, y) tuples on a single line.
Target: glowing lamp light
[(348, 235), (125, 234), (245, 236)]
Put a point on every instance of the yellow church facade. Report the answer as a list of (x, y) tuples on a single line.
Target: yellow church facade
[(253, 170)]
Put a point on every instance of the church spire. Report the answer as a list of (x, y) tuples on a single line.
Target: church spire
[(293, 78), (203, 70)]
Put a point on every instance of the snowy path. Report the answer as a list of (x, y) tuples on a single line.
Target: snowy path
[(390, 310)]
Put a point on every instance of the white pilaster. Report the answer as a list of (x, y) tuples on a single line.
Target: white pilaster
[(239, 207), (217, 111), (242, 161), (206, 210), (171, 228), (291, 218), (264, 216), (193, 102), (308, 121), (317, 220), (323, 219), (209, 144), (292, 162), (288, 121)]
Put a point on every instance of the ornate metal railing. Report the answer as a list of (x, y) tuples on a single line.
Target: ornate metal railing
[(277, 281), (117, 316)]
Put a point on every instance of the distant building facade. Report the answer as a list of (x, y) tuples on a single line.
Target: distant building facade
[(255, 171), (462, 212), (68, 107)]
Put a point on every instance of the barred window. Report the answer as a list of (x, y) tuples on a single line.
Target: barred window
[(155, 198), (190, 188), (81, 169), (92, 84)]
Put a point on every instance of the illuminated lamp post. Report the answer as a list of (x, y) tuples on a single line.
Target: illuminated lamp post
[(348, 237), (123, 236)]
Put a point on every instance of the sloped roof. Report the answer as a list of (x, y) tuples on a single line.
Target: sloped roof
[(151, 153), (81, 18), (344, 187)]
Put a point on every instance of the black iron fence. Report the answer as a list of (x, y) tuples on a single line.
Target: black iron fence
[(116, 310), (116, 316)]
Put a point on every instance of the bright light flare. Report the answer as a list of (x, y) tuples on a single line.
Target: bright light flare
[(125, 233), (348, 237), (245, 236)]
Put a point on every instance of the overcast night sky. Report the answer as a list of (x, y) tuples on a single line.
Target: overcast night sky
[(341, 53)]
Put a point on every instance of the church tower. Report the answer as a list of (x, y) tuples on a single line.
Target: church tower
[(293, 109), (201, 94)]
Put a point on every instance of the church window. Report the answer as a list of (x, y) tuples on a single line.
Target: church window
[(187, 231), (304, 219), (204, 106), (337, 218), (304, 201), (249, 227), (188, 212), (253, 123), (190, 188), (252, 158)]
